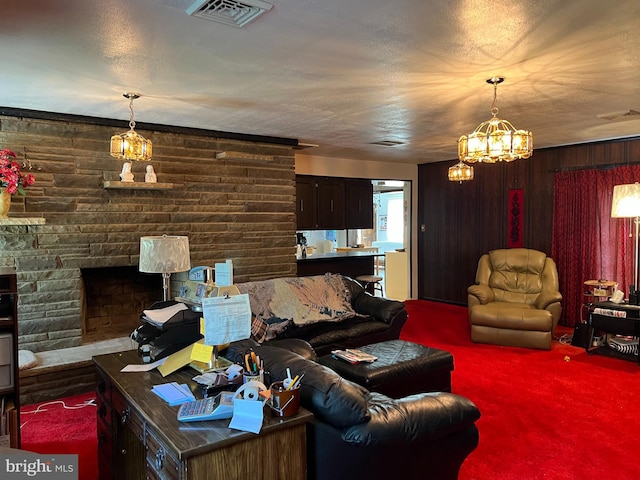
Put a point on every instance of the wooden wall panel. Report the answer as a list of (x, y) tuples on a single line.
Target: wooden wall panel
[(463, 221)]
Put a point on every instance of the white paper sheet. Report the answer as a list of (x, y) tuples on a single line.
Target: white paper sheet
[(145, 367), (161, 315), (226, 319)]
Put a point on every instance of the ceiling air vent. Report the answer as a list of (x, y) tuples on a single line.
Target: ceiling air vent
[(229, 12), (387, 143)]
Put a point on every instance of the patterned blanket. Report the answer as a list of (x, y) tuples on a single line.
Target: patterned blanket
[(278, 303)]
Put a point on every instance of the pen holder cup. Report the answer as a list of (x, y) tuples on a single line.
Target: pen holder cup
[(284, 403), (249, 376)]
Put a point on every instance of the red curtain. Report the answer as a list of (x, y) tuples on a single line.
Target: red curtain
[(587, 243)]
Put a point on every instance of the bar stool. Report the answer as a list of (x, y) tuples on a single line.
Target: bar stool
[(373, 280)]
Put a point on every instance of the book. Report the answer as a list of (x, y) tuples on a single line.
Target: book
[(353, 356)]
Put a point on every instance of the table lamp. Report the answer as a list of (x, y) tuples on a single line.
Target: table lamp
[(626, 204), (166, 255)]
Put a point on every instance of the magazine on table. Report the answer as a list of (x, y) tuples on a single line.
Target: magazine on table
[(353, 356)]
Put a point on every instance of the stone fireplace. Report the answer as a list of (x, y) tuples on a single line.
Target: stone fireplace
[(114, 298), (77, 272)]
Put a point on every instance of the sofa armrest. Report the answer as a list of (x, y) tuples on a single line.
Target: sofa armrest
[(546, 298), (417, 418), (482, 293), (382, 309)]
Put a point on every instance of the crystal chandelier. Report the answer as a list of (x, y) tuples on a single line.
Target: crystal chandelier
[(129, 145), (460, 172), (495, 140)]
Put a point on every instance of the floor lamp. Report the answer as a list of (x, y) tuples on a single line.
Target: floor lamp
[(166, 255), (626, 204)]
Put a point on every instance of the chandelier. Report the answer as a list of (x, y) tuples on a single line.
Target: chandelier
[(460, 172), (129, 145), (495, 140)]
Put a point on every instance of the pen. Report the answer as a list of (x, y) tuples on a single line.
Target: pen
[(254, 363), (246, 362), (297, 382), (293, 382)]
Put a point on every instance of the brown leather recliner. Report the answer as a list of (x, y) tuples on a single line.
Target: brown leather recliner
[(515, 300)]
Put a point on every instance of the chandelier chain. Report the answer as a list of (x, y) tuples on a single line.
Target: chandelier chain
[(132, 123), (494, 108)]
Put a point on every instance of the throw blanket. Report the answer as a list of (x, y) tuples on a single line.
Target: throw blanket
[(301, 301)]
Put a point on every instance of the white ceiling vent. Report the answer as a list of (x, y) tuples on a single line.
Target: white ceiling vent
[(230, 12)]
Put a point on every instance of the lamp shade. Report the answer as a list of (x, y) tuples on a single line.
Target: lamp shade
[(164, 254), (626, 201)]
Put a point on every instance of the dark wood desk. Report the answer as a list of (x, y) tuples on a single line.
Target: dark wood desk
[(139, 436)]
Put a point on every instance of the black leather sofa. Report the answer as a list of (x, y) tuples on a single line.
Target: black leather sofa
[(380, 319), (361, 434)]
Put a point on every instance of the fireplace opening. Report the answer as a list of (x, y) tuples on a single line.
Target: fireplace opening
[(114, 298)]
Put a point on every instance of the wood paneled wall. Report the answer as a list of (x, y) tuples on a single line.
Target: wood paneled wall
[(459, 222)]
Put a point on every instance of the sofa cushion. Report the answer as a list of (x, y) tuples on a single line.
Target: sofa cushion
[(326, 394), (346, 331)]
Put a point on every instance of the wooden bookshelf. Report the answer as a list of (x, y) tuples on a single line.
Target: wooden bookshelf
[(9, 371)]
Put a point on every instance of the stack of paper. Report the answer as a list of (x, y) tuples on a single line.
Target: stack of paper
[(174, 393), (160, 316)]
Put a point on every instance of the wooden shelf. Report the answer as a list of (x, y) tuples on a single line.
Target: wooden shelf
[(116, 184), (22, 221)]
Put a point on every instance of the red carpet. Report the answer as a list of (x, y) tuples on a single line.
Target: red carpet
[(68, 425), (543, 417)]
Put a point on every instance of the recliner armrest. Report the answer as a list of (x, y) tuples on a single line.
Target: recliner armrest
[(546, 298), (482, 292), (416, 418)]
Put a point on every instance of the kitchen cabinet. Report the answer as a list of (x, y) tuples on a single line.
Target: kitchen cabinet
[(9, 371), (306, 209), (359, 203), (332, 203)]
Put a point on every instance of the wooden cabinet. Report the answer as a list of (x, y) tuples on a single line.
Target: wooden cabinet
[(359, 203), (139, 436), (306, 209), (120, 435), (331, 203), (9, 371)]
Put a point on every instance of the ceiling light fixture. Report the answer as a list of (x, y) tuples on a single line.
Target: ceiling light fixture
[(460, 172), (495, 140), (129, 145)]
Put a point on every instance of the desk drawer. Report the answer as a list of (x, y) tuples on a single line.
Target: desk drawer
[(161, 465)]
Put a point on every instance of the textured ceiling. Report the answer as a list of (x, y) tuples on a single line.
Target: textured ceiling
[(341, 74)]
